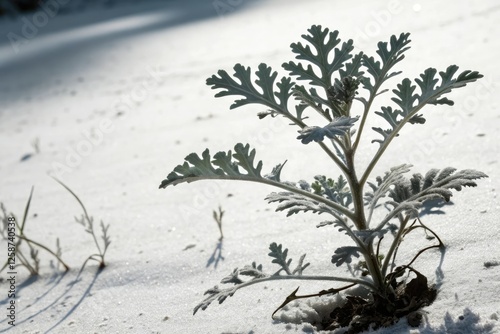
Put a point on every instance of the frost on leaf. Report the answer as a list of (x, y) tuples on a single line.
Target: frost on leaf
[(337, 127)]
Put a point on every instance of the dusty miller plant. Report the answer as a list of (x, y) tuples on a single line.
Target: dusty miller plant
[(326, 80)]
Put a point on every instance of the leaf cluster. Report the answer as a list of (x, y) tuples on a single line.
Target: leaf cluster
[(256, 275), (409, 194), (411, 102)]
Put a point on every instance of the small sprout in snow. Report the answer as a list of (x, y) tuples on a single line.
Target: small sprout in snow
[(218, 219)]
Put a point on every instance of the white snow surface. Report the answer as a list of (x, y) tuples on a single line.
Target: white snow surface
[(117, 97)]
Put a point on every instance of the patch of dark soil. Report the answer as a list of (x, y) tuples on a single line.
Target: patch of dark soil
[(359, 314)]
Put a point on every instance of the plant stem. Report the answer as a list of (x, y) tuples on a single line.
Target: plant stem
[(395, 244), (325, 148), (86, 215), (310, 195), (368, 284), (334, 206), (374, 269), (27, 264), (356, 191), (363, 121), (29, 241), (367, 250), (368, 105), (389, 139), (26, 210)]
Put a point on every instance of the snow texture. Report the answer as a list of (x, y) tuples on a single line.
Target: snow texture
[(115, 95)]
